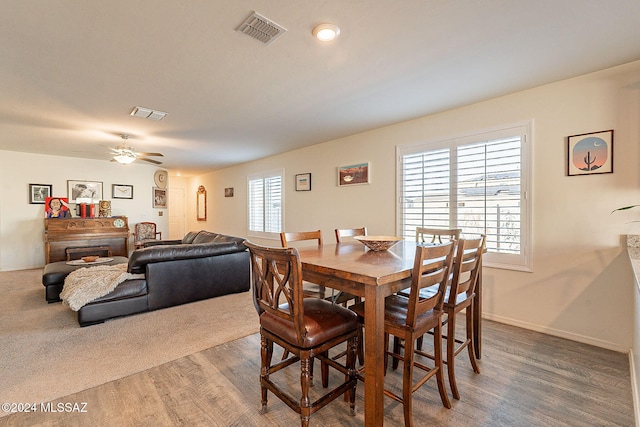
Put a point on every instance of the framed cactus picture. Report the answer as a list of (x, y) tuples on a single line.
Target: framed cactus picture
[(590, 153)]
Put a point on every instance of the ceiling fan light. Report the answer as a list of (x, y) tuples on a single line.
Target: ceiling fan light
[(326, 32), (124, 159)]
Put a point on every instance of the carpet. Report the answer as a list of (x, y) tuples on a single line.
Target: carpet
[(45, 354)]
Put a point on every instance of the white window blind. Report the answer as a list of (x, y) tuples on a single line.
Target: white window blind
[(265, 204), (479, 183)]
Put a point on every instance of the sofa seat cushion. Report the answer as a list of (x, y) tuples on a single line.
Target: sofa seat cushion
[(126, 289)]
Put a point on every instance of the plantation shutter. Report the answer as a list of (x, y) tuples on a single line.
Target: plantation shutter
[(265, 203), (478, 183)]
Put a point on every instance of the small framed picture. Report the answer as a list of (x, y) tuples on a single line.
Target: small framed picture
[(228, 192), (303, 182), (38, 193), (353, 174), (122, 191), (159, 198), (56, 207), (590, 153), (84, 191)]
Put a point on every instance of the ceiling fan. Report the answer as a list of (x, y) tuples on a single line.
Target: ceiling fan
[(124, 154)]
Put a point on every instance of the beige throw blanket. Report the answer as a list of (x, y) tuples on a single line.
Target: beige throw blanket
[(87, 284)]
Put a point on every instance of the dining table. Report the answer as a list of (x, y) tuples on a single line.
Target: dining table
[(373, 275)]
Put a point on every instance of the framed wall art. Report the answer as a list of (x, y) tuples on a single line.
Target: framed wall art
[(84, 191), (159, 198), (590, 153), (122, 191), (38, 193), (353, 174), (56, 207), (228, 192), (303, 182)]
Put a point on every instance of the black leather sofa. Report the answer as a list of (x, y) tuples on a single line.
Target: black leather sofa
[(202, 265)]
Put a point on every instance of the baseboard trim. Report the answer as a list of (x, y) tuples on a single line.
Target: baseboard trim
[(558, 333), (634, 387)]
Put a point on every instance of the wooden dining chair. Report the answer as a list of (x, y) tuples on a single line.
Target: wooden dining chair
[(436, 235), (310, 289), (341, 233), (410, 318), (460, 295), (344, 297), (307, 327)]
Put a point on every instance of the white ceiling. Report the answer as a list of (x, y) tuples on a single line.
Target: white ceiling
[(71, 71)]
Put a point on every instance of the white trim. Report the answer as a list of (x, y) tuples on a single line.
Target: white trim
[(634, 388), (557, 333)]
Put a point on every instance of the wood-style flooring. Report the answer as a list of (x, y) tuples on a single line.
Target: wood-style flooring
[(527, 379)]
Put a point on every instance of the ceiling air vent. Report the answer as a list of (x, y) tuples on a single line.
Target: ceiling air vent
[(261, 28)]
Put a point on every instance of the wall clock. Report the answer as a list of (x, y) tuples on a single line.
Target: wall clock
[(160, 178)]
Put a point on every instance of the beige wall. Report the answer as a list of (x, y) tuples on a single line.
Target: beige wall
[(580, 287), (22, 224)]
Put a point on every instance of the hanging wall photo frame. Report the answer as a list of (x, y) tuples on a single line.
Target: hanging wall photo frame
[(353, 174), (303, 182), (159, 198), (590, 153)]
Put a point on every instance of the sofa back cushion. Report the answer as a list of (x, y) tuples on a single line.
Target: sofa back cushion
[(188, 238), (204, 237)]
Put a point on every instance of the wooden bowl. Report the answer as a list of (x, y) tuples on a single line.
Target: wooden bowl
[(90, 258), (378, 243)]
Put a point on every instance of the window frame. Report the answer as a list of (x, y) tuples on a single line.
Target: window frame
[(263, 176), (521, 261)]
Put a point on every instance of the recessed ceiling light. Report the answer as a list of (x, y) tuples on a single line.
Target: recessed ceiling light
[(326, 32)]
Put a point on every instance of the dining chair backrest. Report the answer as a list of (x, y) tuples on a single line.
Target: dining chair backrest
[(276, 274), (436, 235), (431, 268), (286, 238), (467, 265), (349, 232)]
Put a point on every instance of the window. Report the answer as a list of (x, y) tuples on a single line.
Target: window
[(479, 183), (266, 200)]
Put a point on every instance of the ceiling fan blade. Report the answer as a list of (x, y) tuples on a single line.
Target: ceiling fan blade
[(149, 154), (155, 162)]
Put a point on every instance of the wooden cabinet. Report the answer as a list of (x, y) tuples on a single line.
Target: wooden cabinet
[(60, 234)]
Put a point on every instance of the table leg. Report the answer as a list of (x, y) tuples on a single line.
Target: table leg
[(374, 356)]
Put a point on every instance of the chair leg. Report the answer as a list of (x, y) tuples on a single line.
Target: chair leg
[(361, 346), (407, 382), (396, 350), (471, 346), (352, 351), (437, 346), (451, 355), (419, 344), (266, 353), (305, 383), (324, 371), (386, 352)]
